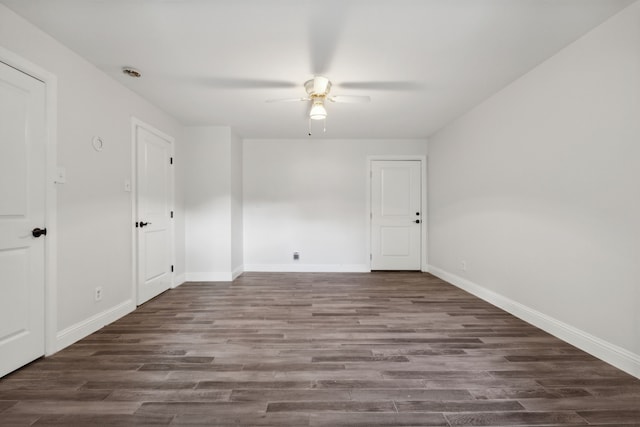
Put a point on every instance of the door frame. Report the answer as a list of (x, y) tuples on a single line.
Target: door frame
[(135, 124), (50, 210), (424, 264)]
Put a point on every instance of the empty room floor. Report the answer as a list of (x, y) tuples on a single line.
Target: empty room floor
[(316, 349)]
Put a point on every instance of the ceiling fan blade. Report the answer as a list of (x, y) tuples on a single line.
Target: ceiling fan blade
[(241, 83), (326, 23), (382, 85), (350, 99), (287, 99)]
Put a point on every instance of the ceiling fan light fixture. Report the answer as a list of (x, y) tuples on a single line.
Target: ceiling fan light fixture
[(318, 112)]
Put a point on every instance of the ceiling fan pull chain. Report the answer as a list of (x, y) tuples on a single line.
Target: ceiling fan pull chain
[(309, 126)]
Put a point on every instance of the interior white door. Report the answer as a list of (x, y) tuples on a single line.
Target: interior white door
[(154, 204), (396, 217), (22, 209)]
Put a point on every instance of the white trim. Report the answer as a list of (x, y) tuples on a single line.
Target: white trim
[(88, 326), (367, 221), (424, 258), (135, 124), (237, 272), (617, 356), (51, 220), (425, 215), (178, 280), (209, 276), (309, 268), (134, 212)]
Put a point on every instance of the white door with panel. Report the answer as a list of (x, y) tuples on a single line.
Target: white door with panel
[(153, 222), (396, 214), (22, 216)]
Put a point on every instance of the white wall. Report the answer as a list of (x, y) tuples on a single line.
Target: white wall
[(94, 229), (538, 190), (309, 195), (180, 168), (237, 227), (213, 203), (207, 153)]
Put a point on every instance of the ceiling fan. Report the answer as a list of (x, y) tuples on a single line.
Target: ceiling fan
[(318, 90)]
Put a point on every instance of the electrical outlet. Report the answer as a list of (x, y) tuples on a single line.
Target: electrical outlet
[(463, 265), (296, 256), (98, 294)]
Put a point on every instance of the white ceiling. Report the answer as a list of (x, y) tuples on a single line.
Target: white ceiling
[(215, 62)]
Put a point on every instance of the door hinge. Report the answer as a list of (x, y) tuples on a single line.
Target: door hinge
[(170, 160), (371, 215), (172, 268), (370, 257), (171, 214)]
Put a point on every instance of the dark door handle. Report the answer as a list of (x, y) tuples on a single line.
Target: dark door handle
[(37, 232), (144, 224), (417, 221)]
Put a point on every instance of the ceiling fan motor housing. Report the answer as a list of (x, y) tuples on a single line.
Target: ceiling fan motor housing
[(318, 87)]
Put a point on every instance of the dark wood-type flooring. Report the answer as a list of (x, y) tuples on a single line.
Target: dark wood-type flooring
[(392, 349)]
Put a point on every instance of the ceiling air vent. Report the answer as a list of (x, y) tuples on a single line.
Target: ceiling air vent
[(131, 72)]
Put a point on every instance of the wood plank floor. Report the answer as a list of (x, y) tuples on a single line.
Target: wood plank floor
[(380, 349)]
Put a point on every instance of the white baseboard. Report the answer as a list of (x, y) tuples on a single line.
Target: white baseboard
[(80, 330), (237, 272), (179, 279), (210, 276), (309, 268), (617, 356)]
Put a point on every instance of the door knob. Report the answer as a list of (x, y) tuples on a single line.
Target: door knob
[(37, 232), (143, 224), (417, 221)]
